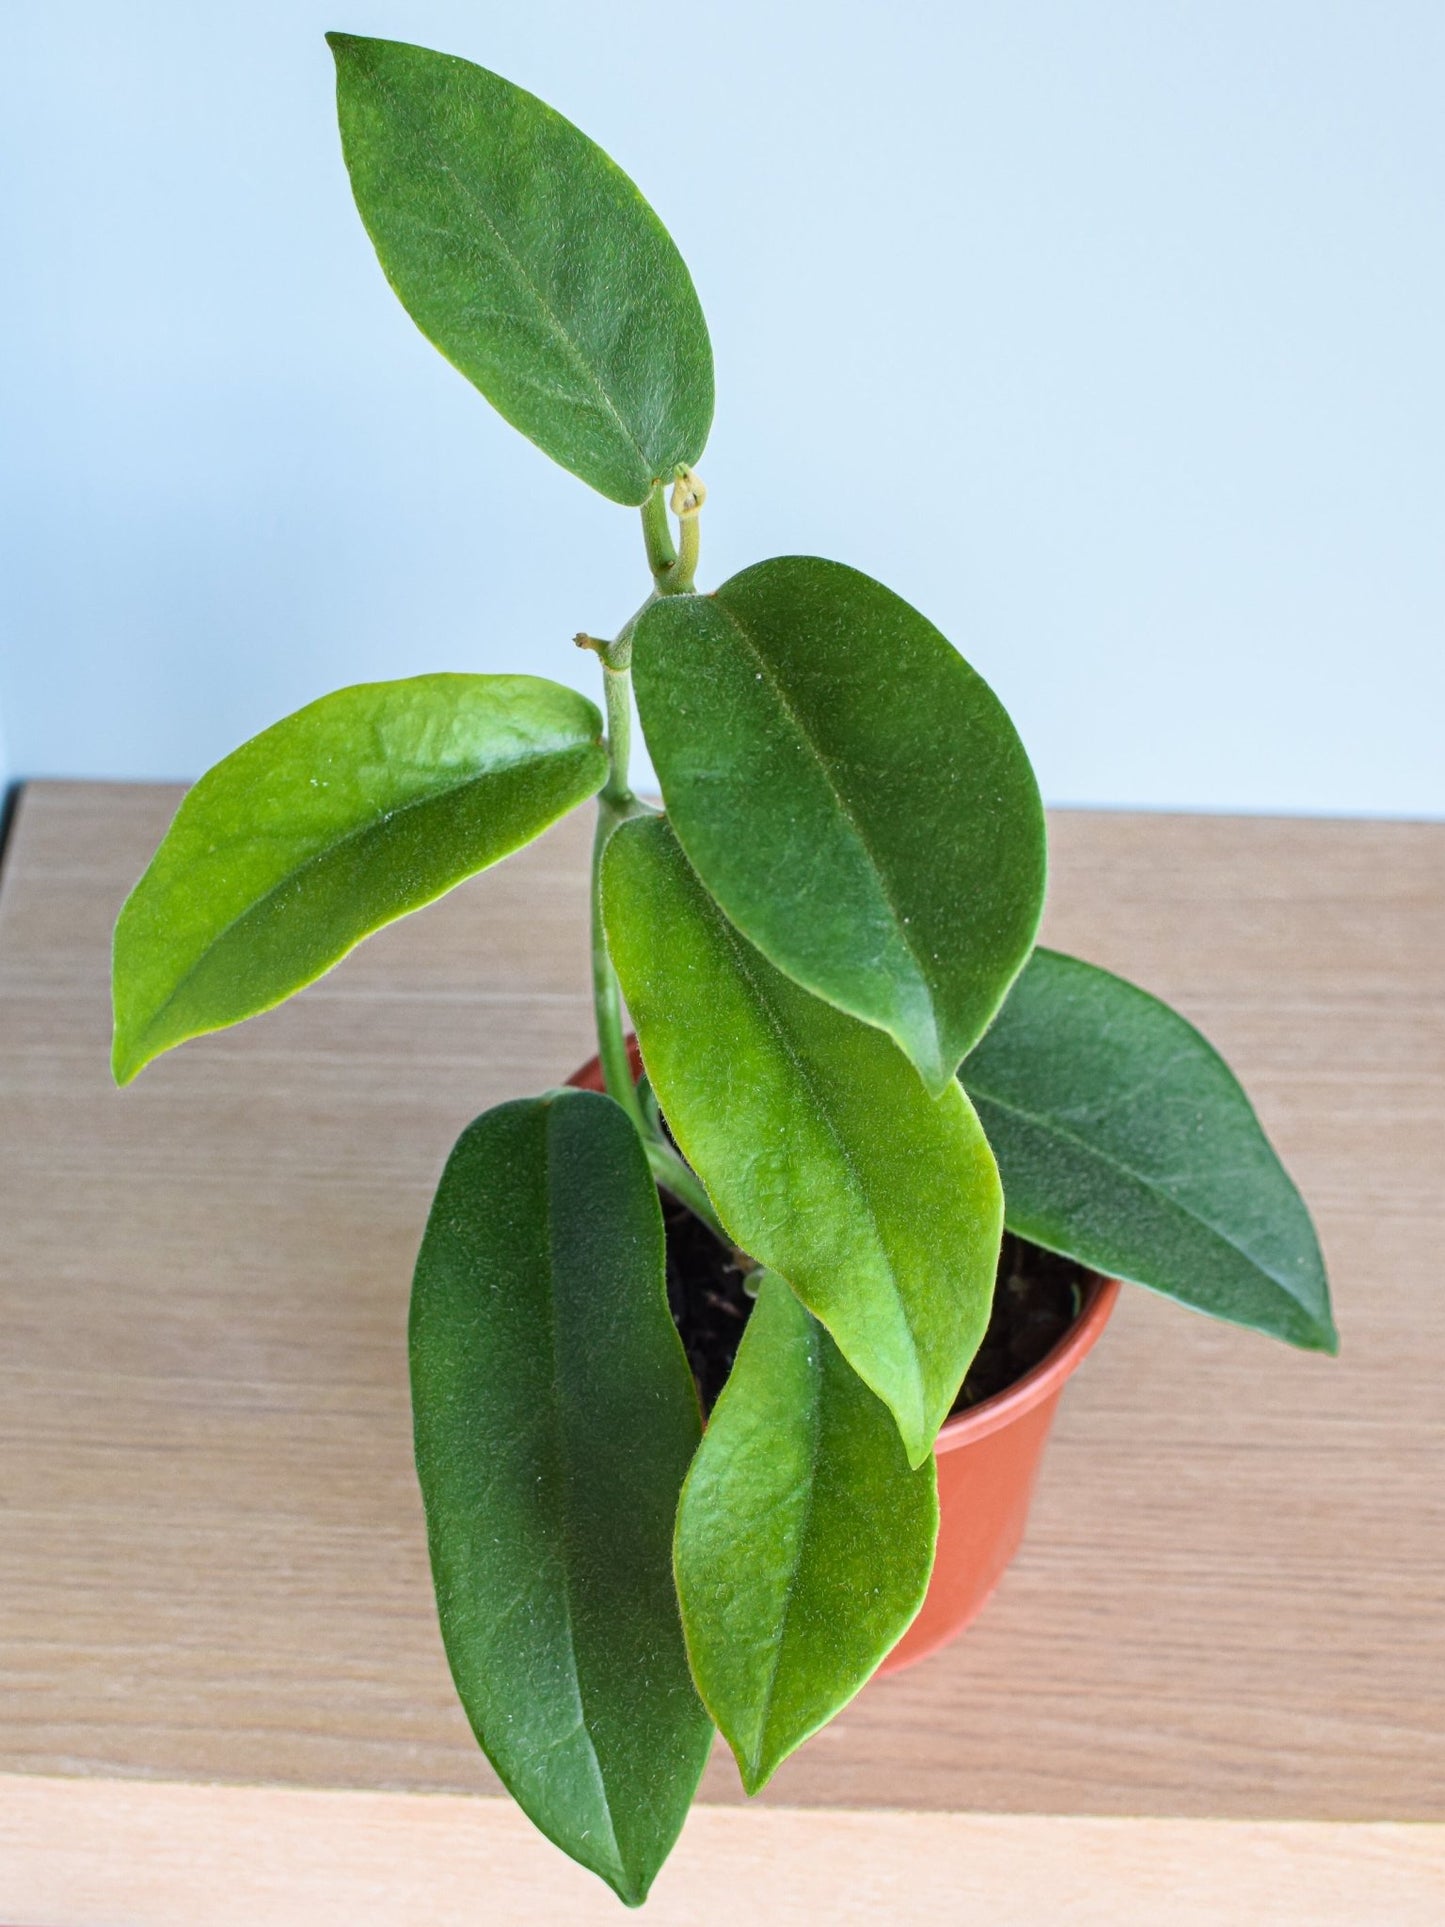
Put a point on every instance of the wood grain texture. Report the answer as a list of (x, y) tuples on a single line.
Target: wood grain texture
[(1229, 1602), (99, 1852)]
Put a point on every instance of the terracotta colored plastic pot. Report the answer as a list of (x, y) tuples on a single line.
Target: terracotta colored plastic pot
[(988, 1466)]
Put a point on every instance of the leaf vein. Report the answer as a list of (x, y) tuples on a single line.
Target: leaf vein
[(549, 315), (1049, 1128), (845, 809)]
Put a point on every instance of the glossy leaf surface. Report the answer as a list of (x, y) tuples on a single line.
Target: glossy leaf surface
[(530, 260), (1125, 1141), (804, 1539), (825, 1156), (555, 1419), (851, 792), (354, 811)]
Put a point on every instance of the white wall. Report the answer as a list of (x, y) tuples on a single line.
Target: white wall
[(1109, 333)]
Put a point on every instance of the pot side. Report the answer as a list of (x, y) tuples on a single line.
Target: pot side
[(988, 1465)]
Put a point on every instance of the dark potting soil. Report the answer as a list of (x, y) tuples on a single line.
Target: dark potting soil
[(1036, 1299), (705, 1296)]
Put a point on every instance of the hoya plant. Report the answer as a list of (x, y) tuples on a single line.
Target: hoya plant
[(858, 1068)]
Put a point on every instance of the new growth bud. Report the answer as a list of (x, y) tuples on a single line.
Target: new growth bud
[(688, 494)]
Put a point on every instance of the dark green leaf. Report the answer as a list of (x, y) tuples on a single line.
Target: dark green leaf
[(851, 792), (823, 1153), (1125, 1141), (357, 809), (804, 1541), (555, 1419), (530, 260)]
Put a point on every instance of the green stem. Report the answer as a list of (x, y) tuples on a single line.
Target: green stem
[(615, 805), (606, 996), (674, 1174), (674, 567), (617, 691), (657, 535), (689, 536), (671, 574)]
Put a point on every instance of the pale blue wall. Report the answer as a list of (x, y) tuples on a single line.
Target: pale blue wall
[(1108, 333)]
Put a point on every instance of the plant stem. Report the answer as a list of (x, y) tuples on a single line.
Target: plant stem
[(689, 535), (657, 535), (617, 691), (674, 566), (615, 805), (674, 1174), (688, 496)]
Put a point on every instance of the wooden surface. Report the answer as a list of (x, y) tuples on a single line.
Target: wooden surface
[(1229, 1605), (220, 1856)]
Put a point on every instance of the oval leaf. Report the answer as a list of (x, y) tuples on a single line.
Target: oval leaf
[(354, 811), (823, 1153), (804, 1540), (530, 260), (555, 1419), (1124, 1141), (851, 792)]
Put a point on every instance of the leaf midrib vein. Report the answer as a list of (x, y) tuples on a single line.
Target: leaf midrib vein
[(1050, 1128), (559, 1432), (815, 1416), (845, 809), (554, 321), (331, 850), (821, 1109)]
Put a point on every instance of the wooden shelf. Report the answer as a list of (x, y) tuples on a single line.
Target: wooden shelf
[(218, 1660)]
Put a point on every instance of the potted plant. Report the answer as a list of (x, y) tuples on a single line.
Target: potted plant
[(857, 1068)]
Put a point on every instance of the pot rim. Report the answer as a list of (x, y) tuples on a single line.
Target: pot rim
[(1041, 1381)]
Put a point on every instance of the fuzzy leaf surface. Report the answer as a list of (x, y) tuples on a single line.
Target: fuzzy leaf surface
[(359, 808), (530, 260), (804, 1538), (824, 1155), (851, 792), (555, 1420), (1125, 1141)]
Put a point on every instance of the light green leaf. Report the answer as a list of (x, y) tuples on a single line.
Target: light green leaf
[(530, 260), (1124, 1141), (852, 794), (555, 1420), (360, 807), (804, 1540), (823, 1153)]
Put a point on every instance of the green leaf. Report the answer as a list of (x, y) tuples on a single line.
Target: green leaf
[(852, 794), (530, 260), (555, 1420), (357, 809), (821, 1150), (804, 1540), (1124, 1141)]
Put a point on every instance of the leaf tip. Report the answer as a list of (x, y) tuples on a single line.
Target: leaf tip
[(1325, 1338), (632, 1893), (132, 1043), (924, 1047), (755, 1771), (126, 1062), (917, 1426), (346, 47)]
